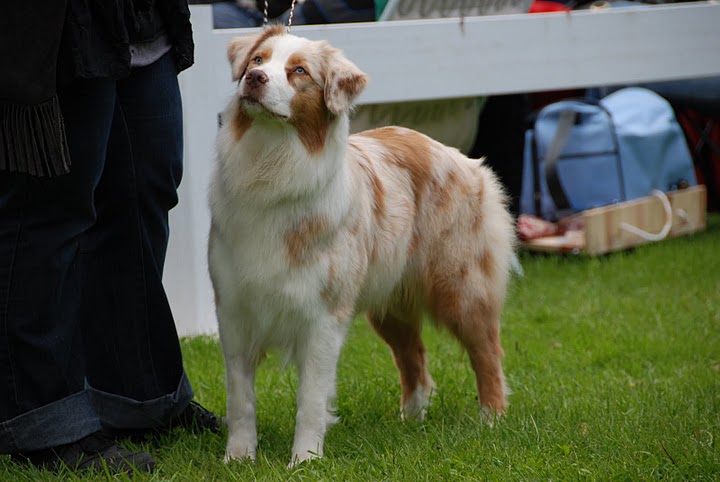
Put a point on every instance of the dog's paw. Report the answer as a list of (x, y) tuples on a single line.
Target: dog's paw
[(240, 452), (490, 415), (245, 457), (304, 456), (416, 405)]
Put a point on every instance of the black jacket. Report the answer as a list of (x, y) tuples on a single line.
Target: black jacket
[(46, 43), (98, 34)]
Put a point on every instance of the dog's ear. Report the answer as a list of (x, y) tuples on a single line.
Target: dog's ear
[(343, 81), (238, 51)]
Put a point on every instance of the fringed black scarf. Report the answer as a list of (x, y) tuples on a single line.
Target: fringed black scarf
[(33, 139), (32, 134)]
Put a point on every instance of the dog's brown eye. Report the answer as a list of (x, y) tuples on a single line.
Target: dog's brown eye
[(299, 70)]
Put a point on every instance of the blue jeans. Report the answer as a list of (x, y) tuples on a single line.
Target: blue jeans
[(87, 338)]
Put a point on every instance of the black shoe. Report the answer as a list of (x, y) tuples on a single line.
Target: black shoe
[(94, 452), (196, 418)]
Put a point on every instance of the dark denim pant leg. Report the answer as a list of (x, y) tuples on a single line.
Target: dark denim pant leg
[(135, 368), (43, 401)]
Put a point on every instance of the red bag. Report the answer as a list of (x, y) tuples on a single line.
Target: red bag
[(703, 136)]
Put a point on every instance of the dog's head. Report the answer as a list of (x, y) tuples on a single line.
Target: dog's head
[(285, 75)]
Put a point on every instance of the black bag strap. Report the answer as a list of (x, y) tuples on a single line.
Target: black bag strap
[(566, 120), (537, 195)]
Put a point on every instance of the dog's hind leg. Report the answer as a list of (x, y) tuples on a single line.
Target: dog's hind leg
[(477, 327), (468, 301), (403, 337)]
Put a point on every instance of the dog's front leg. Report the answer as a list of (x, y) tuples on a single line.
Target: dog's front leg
[(240, 383), (317, 367)]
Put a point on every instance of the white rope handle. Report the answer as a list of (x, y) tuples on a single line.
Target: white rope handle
[(665, 229)]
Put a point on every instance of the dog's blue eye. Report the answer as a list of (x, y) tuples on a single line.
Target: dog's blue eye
[(257, 60), (299, 70)]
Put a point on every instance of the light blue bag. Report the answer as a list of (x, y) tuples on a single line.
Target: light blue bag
[(583, 154)]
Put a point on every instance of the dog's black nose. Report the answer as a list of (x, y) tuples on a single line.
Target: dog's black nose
[(256, 77)]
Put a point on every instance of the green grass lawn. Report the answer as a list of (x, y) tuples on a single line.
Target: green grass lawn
[(614, 363)]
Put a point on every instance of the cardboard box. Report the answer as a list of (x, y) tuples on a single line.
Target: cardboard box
[(614, 227)]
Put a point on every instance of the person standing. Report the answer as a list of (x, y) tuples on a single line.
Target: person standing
[(90, 162)]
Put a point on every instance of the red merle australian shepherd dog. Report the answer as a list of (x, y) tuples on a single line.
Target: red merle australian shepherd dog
[(311, 225)]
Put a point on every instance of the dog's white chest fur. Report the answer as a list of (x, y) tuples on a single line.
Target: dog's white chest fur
[(261, 205)]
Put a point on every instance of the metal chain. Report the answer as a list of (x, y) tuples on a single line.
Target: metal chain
[(292, 10), (290, 18)]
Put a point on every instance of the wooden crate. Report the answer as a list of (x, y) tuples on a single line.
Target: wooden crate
[(603, 227)]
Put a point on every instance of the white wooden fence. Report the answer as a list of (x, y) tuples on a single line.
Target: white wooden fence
[(433, 59)]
